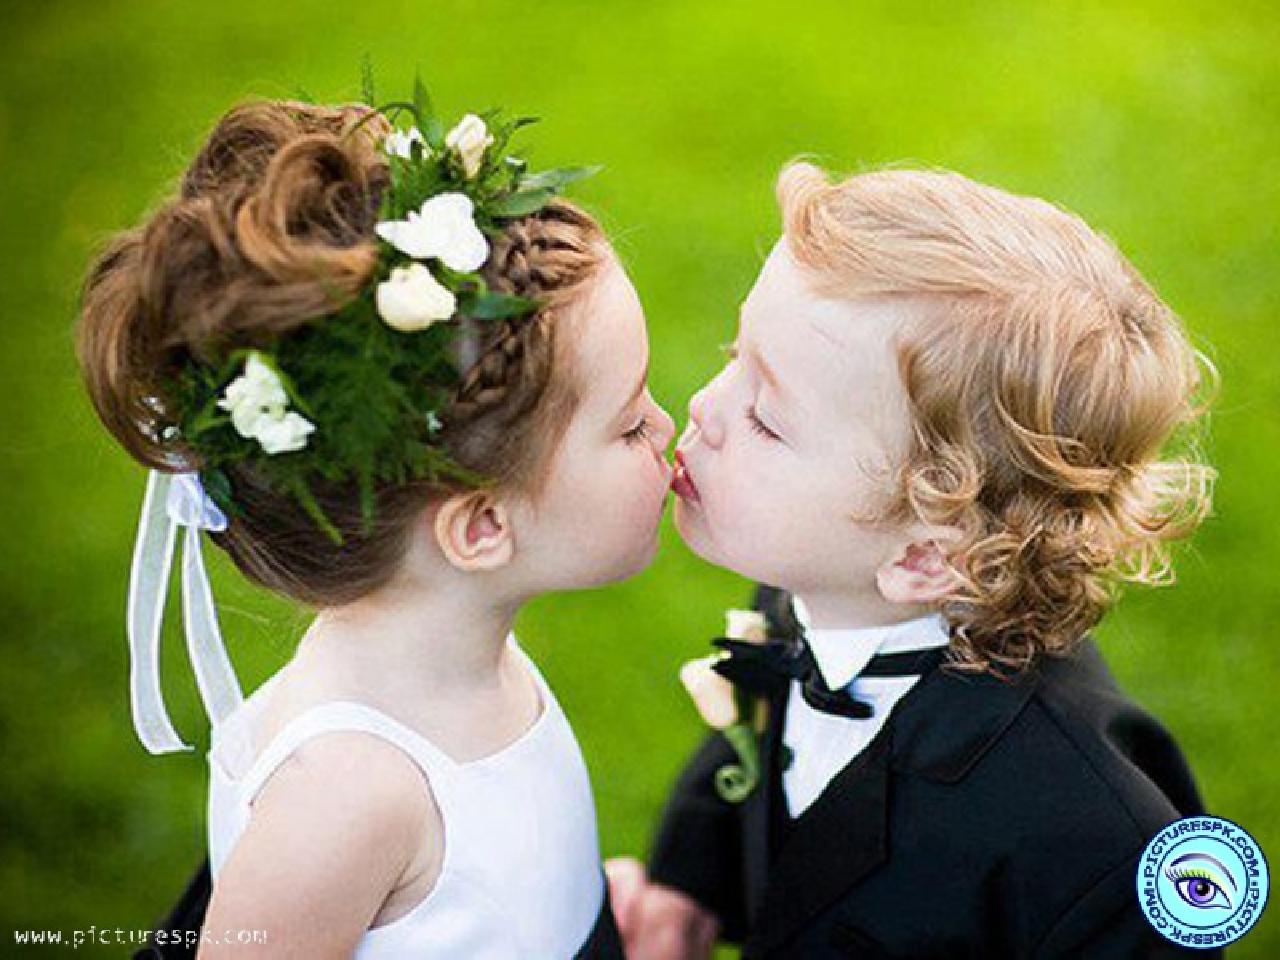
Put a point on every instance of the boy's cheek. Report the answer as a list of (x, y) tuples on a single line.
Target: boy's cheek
[(740, 526)]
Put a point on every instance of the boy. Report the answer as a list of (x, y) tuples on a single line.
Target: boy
[(940, 430)]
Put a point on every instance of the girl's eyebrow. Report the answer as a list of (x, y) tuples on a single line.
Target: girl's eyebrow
[(644, 379)]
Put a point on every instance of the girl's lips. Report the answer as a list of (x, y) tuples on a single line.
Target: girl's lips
[(681, 483)]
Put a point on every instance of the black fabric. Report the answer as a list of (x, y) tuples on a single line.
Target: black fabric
[(177, 935), (988, 818), (759, 668), (605, 942), (840, 703), (764, 669)]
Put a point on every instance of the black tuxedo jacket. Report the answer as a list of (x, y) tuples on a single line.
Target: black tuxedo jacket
[(988, 818)]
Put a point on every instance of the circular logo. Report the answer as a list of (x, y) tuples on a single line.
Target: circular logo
[(1202, 882)]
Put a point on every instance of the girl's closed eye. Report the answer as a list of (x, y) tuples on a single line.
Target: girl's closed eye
[(639, 432)]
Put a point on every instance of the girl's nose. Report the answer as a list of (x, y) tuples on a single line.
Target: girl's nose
[(666, 429), (703, 419)]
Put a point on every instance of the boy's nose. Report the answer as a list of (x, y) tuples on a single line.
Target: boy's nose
[(703, 420)]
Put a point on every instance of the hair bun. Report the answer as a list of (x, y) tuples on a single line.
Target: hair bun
[(272, 227)]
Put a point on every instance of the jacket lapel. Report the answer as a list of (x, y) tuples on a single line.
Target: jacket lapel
[(759, 810), (840, 838)]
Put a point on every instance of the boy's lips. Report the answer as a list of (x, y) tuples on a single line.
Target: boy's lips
[(681, 483)]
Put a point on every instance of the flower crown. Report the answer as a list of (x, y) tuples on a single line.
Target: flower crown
[(357, 393)]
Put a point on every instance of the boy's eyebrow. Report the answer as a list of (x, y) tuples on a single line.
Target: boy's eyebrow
[(766, 371)]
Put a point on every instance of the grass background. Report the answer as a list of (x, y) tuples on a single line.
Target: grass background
[(1159, 122)]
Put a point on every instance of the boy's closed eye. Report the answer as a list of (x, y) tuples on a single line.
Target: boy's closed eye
[(759, 426), (753, 415)]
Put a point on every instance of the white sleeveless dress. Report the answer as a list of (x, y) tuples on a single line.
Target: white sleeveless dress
[(521, 877)]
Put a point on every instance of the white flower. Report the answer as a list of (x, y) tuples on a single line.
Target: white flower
[(469, 140), (433, 423), (257, 401), (749, 625), (284, 434), (412, 299), (255, 393), (712, 694), (444, 228), (399, 143)]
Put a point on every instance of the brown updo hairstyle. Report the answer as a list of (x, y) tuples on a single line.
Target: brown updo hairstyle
[(273, 226)]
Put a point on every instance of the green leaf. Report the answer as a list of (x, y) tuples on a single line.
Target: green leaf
[(313, 509), (218, 485), (520, 204), (366, 80), (557, 178), (428, 122), (421, 99), (367, 504), (489, 305), (519, 122), (207, 419)]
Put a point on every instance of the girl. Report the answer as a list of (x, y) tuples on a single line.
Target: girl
[(401, 384)]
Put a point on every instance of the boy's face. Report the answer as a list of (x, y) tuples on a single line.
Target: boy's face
[(800, 432)]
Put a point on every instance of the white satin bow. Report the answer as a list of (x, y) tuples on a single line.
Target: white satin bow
[(173, 500)]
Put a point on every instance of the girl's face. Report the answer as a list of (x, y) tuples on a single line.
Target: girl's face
[(793, 438), (596, 519)]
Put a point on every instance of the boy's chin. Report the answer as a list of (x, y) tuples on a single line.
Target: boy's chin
[(690, 523), (690, 526)]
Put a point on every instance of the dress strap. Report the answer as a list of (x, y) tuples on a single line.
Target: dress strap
[(344, 715)]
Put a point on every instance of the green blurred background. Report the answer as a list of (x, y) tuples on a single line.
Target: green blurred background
[(1159, 122)]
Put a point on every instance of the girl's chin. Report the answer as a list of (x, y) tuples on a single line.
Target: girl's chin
[(642, 559)]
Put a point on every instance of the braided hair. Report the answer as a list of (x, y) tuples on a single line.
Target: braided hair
[(273, 224), (549, 256)]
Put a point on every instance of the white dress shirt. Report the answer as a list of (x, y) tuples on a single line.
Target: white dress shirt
[(823, 744)]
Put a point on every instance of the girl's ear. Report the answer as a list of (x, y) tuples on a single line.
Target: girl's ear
[(473, 531), (918, 572)]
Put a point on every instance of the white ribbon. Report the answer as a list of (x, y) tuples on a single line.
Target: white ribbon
[(174, 500)]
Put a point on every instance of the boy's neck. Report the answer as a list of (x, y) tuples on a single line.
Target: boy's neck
[(846, 611)]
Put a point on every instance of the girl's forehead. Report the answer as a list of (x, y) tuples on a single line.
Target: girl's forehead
[(610, 343)]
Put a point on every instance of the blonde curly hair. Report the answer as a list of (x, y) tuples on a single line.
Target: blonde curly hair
[(1045, 380)]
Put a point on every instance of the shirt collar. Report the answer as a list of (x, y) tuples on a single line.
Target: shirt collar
[(842, 653)]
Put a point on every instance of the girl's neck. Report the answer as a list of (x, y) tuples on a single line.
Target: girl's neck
[(413, 644)]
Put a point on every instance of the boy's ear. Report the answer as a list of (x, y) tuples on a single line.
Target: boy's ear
[(473, 531), (918, 572)]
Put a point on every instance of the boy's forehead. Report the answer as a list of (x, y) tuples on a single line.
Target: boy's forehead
[(818, 345)]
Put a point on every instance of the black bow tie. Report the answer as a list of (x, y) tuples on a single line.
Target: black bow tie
[(766, 668)]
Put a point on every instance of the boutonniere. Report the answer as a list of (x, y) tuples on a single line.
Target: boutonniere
[(734, 711)]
